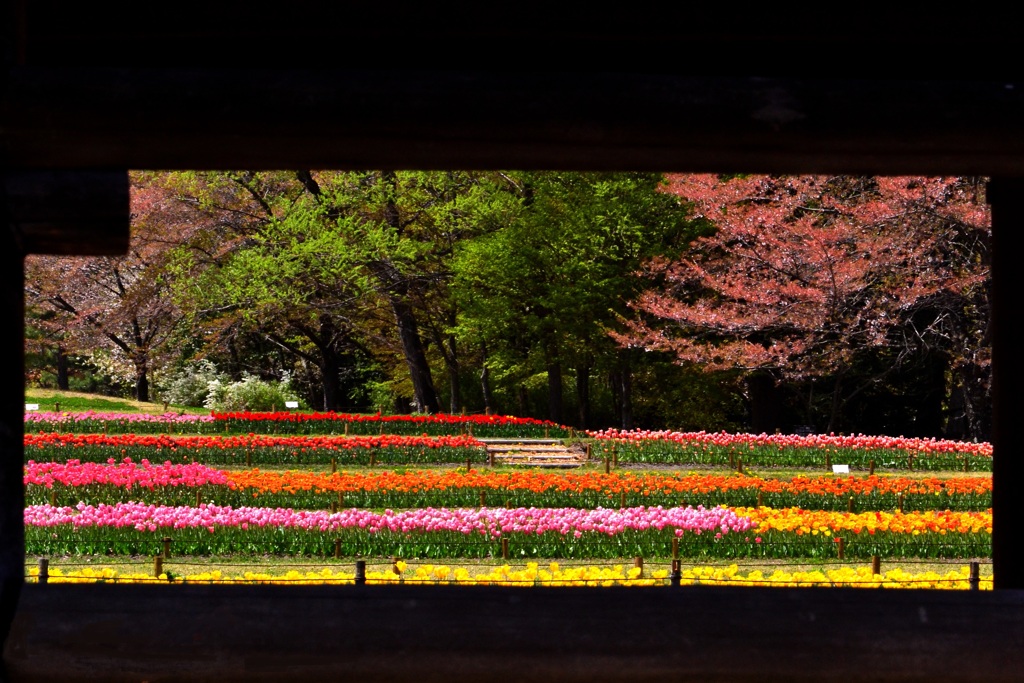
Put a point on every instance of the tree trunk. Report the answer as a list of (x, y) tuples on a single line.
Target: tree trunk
[(451, 359), (62, 369), (626, 379), (555, 392), (329, 377), (415, 357), (837, 402), (583, 394), (485, 385), (141, 377), (763, 403), (615, 385), (523, 399), (455, 402)]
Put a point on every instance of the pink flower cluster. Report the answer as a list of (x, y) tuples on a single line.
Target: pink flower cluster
[(168, 418), (125, 474), (488, 522), (857, 441)]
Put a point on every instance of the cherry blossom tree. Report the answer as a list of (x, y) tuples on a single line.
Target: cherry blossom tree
[(801, 276)]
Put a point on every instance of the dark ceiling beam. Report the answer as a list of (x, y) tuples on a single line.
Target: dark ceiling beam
[(345, 119)]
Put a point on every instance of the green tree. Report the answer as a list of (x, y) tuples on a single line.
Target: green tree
[(540, 296)]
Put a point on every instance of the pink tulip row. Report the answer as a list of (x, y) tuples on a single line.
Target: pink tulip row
[(856, 441), (488, 522), (166, 418), (125, 474)]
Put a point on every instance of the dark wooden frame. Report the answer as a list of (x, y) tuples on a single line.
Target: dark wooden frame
[(75, 117)]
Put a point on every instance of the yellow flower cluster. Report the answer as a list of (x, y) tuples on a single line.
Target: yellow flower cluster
[(823, 521), (553, 575)]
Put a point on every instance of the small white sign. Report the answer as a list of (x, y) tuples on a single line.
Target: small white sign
[(31, 406), (840, 469), (291, 404)]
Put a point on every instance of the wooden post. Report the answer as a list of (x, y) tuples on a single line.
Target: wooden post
[(53, 498), (56, 406), (334, 465), (158, 566), (341, 499), (1007, 328), (469, 464), (677, 573), (167, 547), (547, 432), (615, 456), (490, 459), (607, 466), (876, 565), (360, 572), (373, 460), (337, 548), (871, 468), (504, 547), (828, 461), (44, 570), (483, 499), (760, 499), (849, 505), (739, 465), (346, 429), (899, 502), (975, 577), (622, 499), (334, 507), (675, 548), (638, 562), (199, 498), (910, 461), (588, 451), (841, 542)]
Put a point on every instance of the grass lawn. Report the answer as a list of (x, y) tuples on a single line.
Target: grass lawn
[(74, 401)]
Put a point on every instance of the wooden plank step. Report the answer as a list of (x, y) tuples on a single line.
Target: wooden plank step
[(499, 442), (527, 449)]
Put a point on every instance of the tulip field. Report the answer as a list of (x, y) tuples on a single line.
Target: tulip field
[(417, 494)]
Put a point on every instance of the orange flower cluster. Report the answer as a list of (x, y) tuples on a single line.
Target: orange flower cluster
[(592, 482), (596, 482)]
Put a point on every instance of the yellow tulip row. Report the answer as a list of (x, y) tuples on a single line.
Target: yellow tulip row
[(553, 575)]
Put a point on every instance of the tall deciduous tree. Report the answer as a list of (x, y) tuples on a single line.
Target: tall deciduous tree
[(540, 295), (802, 275)]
